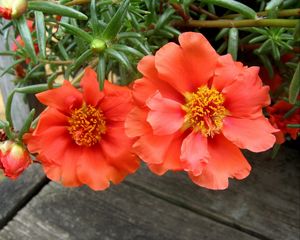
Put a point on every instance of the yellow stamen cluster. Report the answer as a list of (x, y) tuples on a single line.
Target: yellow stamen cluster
[(87, 124), (205, 111)]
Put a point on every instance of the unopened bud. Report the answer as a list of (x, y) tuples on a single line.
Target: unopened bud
[(10, 9), (98, 45), (14, 159)]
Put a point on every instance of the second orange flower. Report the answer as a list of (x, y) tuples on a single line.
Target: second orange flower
[(195, 109)]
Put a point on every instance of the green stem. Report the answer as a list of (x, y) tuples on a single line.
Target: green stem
[(288, 23), (59, 62), (77, 2), (282, 13), (8, 108), (293, 125)]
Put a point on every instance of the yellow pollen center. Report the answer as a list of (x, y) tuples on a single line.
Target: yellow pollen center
[(205, 111), (87, 124)]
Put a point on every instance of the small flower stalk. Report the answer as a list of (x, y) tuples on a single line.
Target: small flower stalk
[(14, 159), (12, 9)]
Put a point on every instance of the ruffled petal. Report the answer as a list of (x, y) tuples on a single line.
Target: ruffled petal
[(151, 148), (69, 161), (165, 116), (200, 57), (170, 64), (227, 71), (50, 117), (254, 135), (146, 66), (64, 98), (117, 102), (145, 87), (226, 161), (245, 97), (136, 123), (91, 93), (194, 153), (171, 160), (93, 170), (116, 147)]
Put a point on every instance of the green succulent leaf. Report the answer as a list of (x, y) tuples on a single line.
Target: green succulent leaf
[(295, 86), (234, 6), (57, 9), (27, 124), (40, 32), (116, 23), (26, 36), (233, 42), (77, 32)]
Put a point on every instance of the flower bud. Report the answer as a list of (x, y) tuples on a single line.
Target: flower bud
[(10, 9), (98, 45), (3, 136), (14, 159)]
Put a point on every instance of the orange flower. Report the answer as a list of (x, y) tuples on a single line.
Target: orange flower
[(195, 109), (277, 112), (80, 137), (14, 159)]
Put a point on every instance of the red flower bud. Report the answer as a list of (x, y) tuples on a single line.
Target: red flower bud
[(10, 9), (14, 159)]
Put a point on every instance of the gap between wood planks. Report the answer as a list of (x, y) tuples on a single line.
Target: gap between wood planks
[(30, 195), (207, 214), (35, 191)]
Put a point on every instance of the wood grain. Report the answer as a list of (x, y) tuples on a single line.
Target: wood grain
[(122, 212), (266, 204), (15, 194)]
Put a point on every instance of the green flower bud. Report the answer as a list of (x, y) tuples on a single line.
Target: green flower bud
[(98, 45)]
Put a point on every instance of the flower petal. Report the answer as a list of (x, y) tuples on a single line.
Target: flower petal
[(146, 66), (93, 170), (253, 134), (136, 123), (227, 71), (200, 57), (171, 159), (145, 87), (117, 102), (69, 160), (166, 116), (117, 148), (91, 93), (151, 148), (245, 97), (63, 98), (226, 161), (170, 64), (50, 117), (194, 153)]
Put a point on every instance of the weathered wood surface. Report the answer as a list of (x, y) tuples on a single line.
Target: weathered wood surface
[(14, 194), (122, 212), (266, 204)]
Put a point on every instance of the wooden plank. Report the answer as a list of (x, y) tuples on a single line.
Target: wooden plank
[(266, 204), (121, 212), (14, 194)]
